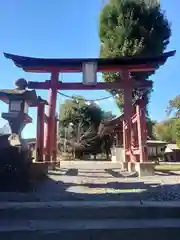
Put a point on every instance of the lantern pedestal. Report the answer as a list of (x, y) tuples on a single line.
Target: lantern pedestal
[(17, 122)]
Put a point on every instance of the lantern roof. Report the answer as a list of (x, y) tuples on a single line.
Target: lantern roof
[(18, 94)]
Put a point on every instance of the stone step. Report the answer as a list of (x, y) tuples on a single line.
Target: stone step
[(107, 229), (89, 210)]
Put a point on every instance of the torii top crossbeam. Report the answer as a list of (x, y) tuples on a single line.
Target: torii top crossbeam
[(132, 64)]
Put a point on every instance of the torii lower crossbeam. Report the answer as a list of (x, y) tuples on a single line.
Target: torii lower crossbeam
[(80, 86)]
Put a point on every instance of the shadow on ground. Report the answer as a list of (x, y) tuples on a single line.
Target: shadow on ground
[(167, 173), (112, 173), (73, 184), (114, 191), (124, 189)]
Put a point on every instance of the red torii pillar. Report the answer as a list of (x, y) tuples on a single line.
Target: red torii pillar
[(40, 133), (128, 112), (51, 116), (142, 131), (40, 129), (54, 147)]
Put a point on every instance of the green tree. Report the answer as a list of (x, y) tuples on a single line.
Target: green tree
[(132, 28), (178, 132), (166, 130), (80, 115), (108, 115), (79, 123), (174, 105), (150, 127), (68, 110), (150, 3)]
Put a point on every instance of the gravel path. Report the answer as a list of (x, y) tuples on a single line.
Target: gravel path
[(94, 181), (105, 181)]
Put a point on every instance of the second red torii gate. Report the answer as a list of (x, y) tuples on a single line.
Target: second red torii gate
[(125, 65)]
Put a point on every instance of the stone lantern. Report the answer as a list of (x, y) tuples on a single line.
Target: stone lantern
[(19, 100)]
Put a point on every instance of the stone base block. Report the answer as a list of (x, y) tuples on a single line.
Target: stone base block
[(38, 171), (131, 167), (145, 169), (52, 166), (124, 166)]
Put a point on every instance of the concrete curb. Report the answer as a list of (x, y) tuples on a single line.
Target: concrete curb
[(90, 204), (84, 224), (88, 210)]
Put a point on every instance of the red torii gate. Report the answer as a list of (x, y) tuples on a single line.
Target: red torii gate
[(124, 65)]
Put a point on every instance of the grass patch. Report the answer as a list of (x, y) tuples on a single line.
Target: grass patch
[(167, 167)]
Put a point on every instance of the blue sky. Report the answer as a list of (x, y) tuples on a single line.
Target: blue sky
[(69, 28)]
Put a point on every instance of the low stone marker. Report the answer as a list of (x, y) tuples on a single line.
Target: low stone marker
[(145, 169)]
